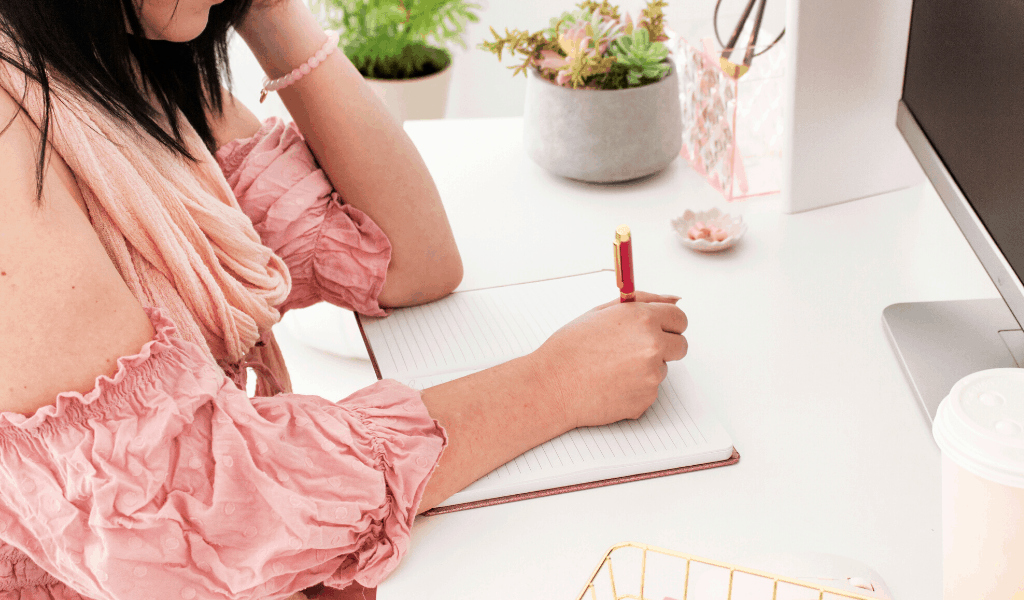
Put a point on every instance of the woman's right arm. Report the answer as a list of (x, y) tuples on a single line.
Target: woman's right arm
[(603, 367), (66, 315)]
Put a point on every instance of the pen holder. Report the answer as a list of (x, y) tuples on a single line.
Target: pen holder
[(732, 121)]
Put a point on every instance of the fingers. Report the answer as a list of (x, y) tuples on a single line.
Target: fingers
[(669, 316), (642, 297), (662, 308), (649, 297), (673, 347)]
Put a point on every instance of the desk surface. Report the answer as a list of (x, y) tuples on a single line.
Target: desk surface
[(786, 342)]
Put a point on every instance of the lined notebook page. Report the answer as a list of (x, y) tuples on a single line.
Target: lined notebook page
[(468, 331), (676, 431)]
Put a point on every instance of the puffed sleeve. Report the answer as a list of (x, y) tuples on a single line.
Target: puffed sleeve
[(334, 251), (166, 480)]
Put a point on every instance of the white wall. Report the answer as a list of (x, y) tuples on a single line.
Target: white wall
[(483, 87)]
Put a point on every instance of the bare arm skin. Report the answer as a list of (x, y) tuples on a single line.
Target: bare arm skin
[(365, 153), (236, 122)]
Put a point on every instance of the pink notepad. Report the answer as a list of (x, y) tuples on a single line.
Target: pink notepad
[(469, 331)]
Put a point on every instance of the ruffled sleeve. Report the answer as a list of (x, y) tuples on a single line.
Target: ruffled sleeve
[(334, 251), (166, 478)]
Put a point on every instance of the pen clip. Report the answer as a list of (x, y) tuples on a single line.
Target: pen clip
[(618, 263)]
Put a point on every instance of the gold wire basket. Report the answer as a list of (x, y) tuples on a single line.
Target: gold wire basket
[(643, 572)]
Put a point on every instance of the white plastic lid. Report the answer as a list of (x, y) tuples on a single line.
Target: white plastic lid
[(980, 425)]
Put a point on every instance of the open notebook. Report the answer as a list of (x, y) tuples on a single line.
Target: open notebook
[(469, 331)]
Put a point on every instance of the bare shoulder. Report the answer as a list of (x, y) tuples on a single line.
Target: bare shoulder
[(236, 122), (66, 315)]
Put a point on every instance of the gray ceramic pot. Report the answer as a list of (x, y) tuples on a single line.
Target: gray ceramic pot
[(602, 136)]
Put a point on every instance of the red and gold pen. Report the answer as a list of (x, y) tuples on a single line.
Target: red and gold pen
[(623, 247)]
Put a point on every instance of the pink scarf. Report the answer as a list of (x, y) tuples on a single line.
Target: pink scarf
[(173, 229)]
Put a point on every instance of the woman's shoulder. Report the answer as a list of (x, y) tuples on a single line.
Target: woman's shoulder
[(66, 314), (235, 122)]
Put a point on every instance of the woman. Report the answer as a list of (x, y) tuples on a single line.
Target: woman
[(139, 279)]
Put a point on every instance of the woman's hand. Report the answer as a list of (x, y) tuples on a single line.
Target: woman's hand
[(602, 367), (607, 364)]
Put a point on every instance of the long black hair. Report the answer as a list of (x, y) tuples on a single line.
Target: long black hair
[(90, 45)]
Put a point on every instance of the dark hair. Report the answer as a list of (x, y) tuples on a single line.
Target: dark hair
[(90, 44)]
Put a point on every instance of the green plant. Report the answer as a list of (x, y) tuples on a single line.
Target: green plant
[(398, 39), (643, 59), (593, 47)]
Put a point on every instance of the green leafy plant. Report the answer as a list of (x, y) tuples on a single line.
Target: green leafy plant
[(592, 47), (398, 39), (644, 60)]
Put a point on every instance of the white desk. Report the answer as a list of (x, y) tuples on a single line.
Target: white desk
[(785, 340)]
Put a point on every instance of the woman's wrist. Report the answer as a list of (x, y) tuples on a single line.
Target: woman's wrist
[(282, 35), (546, 373)]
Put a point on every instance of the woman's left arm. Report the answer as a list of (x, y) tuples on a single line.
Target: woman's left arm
[(365, 153)]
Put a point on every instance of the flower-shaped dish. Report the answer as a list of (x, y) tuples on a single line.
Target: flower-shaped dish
[(732, 226)]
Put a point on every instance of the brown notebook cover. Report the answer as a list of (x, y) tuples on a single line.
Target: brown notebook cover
[(735, 458), (369, 350)]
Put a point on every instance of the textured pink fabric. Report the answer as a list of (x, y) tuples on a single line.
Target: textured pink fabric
[(334, 252), (22, 579), (166, 481)]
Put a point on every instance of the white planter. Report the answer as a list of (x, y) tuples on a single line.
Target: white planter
[(602, 136), (420, 98)]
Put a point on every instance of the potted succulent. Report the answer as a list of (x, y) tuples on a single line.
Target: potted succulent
[(602, 97), (401, 48)]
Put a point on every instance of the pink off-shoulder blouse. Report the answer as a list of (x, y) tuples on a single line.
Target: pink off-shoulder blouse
[(167, 481)]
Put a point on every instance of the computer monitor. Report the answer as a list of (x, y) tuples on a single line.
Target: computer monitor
[(962, 114)]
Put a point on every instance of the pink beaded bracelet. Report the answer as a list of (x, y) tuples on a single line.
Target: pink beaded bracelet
[(273, 85)]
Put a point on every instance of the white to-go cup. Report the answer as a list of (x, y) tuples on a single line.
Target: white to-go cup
[(980, 428)]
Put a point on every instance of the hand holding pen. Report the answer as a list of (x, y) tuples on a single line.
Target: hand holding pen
[(609, 362)]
